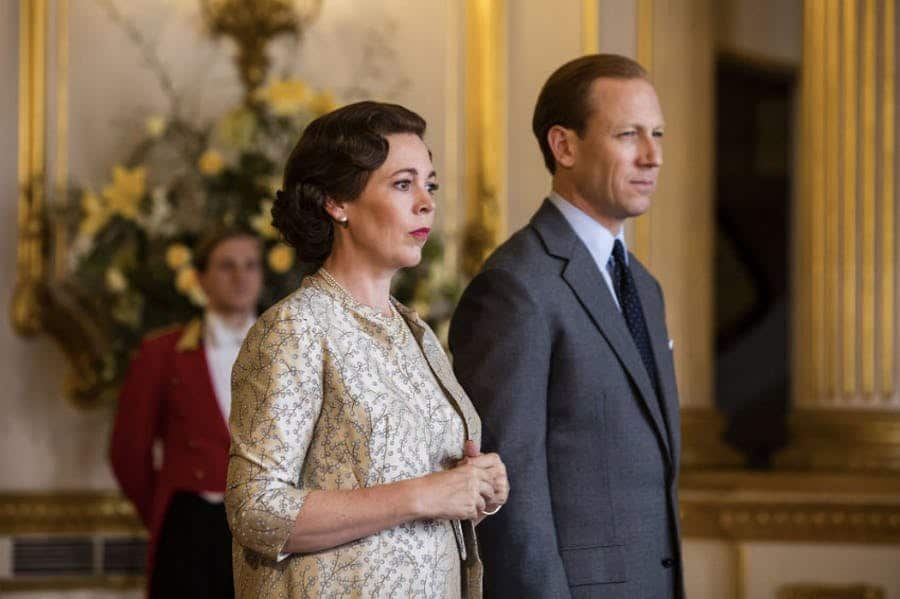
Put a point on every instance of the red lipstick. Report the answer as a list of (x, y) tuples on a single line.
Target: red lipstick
[(421, 233)]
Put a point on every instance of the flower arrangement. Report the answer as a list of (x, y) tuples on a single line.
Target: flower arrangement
[(132, 243)]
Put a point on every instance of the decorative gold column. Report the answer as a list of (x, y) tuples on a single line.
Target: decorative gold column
[(30, 265), (485, 130), (847, 410)]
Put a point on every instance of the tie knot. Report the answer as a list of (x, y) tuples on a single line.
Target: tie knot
[(619, 252)]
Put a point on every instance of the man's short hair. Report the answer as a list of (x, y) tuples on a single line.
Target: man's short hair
[(213, 239), (564, 99)]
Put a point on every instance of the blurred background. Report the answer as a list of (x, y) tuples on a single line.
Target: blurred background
[(129, 127)]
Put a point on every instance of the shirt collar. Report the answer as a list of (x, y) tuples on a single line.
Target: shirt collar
[(219, 334), (597, 238)]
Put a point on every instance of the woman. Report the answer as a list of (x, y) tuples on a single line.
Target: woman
[(354, 468)]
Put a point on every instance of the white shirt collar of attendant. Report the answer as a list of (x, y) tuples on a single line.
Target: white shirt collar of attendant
[(597, 238), (218, 333)]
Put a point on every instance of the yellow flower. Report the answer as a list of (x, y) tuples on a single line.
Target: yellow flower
[(197, 297), (124, 194), (177, 255), (237, 128), (323, 102), (95, 214), (155, 126), (211, 163), (186, 279), (262, 222), (284, 96), (281, 258), (115, 280)]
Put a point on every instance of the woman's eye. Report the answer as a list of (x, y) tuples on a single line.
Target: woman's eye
[(657, 134), (403, 185), (432, 188)]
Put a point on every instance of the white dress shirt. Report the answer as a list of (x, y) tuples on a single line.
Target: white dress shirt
[(222, 344), (597, 238)]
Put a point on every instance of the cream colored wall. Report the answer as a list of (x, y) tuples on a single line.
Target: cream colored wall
[(769, 566), (535, 51), (710, 569)]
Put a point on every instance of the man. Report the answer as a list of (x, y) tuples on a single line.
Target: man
[(561, 343), (177, 398)]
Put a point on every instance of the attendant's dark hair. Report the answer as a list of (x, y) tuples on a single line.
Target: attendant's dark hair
[(564, 99), (213, 238), (333, 159)]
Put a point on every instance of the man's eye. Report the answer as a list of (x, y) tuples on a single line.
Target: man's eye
[(657, 134), (628, 133)]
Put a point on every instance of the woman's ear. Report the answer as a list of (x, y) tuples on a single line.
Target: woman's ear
[(336, 210)]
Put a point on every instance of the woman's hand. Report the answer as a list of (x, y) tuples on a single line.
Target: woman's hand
[(455, 494), (493, 465)]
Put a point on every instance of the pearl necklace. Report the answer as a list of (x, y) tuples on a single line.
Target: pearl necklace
[(397, 325)]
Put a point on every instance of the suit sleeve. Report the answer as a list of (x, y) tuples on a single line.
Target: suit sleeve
[(501, 348), (136, 427)]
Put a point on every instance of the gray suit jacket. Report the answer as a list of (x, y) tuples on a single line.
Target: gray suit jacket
[(592, 452)]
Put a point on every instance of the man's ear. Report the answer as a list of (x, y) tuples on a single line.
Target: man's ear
[(561, 142)]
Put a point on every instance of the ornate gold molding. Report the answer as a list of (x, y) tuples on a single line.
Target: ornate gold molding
[(790, 507), (485, 129), (67, 512), (71, 584), (843, 441), (825, 591)]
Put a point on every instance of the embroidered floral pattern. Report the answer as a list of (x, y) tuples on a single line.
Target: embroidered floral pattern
[(326, 396)]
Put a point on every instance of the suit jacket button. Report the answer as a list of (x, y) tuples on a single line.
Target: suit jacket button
[(668, 562), (199, 474)]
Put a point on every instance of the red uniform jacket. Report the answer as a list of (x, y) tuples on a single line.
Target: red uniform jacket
[(168, 395)]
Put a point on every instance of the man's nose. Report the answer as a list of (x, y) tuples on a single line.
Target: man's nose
[(651, 152)]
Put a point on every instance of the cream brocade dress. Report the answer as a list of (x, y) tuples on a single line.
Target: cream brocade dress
[(330, 394)]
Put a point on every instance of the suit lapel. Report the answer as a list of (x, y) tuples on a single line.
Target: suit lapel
[(582, 276), (663, 355)]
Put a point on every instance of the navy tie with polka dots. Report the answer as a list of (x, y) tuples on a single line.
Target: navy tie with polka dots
[(630, 304)]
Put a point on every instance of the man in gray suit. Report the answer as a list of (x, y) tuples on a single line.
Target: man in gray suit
[(561, 343)]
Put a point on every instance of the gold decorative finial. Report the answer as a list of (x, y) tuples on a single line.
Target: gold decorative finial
[(252, 24)]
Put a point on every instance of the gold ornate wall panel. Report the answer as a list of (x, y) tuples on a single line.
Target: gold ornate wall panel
[(845, 308), (30, 262), (485, 130), (790, 507), (826, 591), (64, 513)]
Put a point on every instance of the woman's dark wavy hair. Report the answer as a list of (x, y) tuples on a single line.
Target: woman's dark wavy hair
[(333, 159)]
